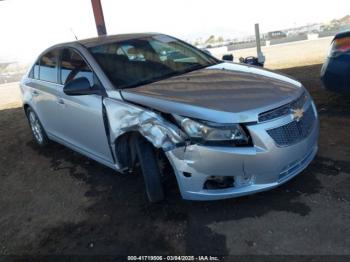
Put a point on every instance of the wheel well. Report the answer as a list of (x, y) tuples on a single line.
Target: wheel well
[(25, 107), (126, 152)]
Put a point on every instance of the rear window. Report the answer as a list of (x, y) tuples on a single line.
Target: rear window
[(35, 71)]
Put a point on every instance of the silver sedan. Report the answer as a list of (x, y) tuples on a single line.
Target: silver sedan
[(146, 102)]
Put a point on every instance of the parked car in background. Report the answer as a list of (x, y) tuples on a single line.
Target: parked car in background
[(335, 72), (145, 101)]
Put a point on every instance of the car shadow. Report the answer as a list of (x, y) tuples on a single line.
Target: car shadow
[(121, 214)]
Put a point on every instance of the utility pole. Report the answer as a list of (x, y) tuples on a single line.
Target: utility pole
[(261, 57), (99, 19)]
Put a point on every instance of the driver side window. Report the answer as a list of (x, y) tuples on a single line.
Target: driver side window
[(74, 66)]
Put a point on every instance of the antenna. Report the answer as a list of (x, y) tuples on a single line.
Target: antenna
[(76, 38)]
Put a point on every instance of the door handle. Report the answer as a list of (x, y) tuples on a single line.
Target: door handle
[(60, 101), (35, 93)]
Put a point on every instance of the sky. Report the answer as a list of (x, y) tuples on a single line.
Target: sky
[(27, 27)]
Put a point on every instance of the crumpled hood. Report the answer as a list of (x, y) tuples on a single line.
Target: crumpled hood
[(223, 93)]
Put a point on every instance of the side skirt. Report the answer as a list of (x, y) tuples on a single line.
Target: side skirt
[(83, 152)]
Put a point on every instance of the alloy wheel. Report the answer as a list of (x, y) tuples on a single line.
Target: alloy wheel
[(36, 127)]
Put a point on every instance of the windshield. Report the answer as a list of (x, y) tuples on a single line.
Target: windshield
[(145, 60)]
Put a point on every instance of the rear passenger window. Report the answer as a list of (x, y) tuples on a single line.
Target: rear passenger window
[(34, 72), (73, 66), (48, 67)]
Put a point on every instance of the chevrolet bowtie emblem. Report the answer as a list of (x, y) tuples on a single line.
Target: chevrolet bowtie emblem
[(297, 114)]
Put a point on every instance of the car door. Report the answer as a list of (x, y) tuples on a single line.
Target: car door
[(45, 89), (81, 122)]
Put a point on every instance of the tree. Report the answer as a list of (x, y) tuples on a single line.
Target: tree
[(210, 40)]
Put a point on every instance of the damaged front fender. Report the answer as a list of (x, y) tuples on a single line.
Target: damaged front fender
[(124, 117)]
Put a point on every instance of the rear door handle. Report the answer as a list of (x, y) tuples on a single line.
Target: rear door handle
[(60, 101), (35, 93)]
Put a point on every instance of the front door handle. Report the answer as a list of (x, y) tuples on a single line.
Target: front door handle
[(35, 93)]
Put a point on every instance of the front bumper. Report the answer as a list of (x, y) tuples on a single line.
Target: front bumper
[(254, 169)]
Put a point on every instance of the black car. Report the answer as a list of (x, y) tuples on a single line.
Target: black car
[(335, 72)]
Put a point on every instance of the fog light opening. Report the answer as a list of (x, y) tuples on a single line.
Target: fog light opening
[(219, 182), (187, 174)]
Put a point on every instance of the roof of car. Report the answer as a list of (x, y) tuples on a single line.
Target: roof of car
[(342, 34), (90, 42)]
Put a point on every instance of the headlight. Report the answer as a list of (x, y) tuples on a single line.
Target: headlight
[(208, 131)]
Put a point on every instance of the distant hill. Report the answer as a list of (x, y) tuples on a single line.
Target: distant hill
[(345, 20), (11, 71), (4, 64), (337, 24)]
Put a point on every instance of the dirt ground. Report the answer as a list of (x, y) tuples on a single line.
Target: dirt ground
[(10, 96), (55, 201)]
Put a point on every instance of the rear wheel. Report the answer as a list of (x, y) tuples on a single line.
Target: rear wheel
[(150, 169), (38, 131)]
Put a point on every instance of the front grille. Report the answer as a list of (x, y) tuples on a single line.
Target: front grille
[(294, 131), (283, 110)]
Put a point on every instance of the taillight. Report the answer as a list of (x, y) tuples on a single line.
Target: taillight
[(340, 46)]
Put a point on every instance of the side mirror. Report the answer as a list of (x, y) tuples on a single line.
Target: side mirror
[(227, 57), (80, 86)]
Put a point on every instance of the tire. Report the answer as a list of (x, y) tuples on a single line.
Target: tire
[(149, 169), (38, 131)]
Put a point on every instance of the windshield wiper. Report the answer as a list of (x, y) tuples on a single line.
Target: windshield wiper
[(194, 68), (148, 81)]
